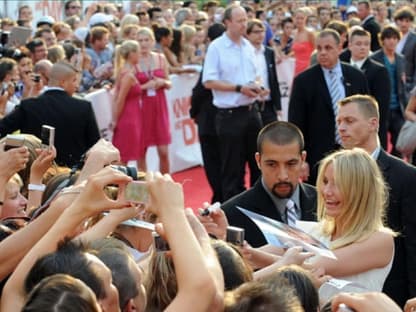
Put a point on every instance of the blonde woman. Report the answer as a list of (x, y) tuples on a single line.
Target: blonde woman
[(188, 34), (351, 203), (303, 41), (129, 32), (126, 113), (153, 67)]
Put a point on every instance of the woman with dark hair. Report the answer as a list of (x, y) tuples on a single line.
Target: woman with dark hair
[(61, 292), (8, 76), (302, 282), (284, 41), (168, 42)]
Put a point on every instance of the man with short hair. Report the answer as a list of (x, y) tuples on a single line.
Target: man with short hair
[(101, 57), (358, 122), (316, 91), (376, 74), (38, 50), (404, 18), (155, 14), (369, 23), (280, 158), (126, 274), (73, 7), (76, 129), (265, 62), (395, 65), (48, 35), (230, 72), (76, 260), (324, 16)]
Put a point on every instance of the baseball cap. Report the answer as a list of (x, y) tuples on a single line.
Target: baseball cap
[(100, 18), (49, 20)]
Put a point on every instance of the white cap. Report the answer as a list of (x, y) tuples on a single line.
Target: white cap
[(81, 33), (100, 18), (46, 20), (352, 9)]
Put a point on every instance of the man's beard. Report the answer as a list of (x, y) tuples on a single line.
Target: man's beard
[(287, 194)]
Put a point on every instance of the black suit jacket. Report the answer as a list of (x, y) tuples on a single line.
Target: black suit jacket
[(401, 217), (76, 129), (345, 56), (202, 109), (400, 75), (310, 108), (257, 200), (379, 87), (409, 53), (373, 28), (273, 80)]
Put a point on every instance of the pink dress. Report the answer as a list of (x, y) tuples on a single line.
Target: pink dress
[(128, 136), (303, 51), (155, 116)]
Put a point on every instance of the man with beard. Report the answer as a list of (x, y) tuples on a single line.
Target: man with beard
[(280, 158)]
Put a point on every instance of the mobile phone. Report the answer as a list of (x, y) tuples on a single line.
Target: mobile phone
[(159, 243), (47, 136), (4, 38), (235, 235), (137, 192), (4, 87), (36, 78), (13, 141)]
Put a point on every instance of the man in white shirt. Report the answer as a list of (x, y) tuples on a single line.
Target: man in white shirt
[(270, 105), (231, 74)]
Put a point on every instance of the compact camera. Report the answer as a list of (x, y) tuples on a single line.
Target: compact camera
[(130, 171), (47, 136), (235, 235), (159, 243), (137, 192), (13, 141)]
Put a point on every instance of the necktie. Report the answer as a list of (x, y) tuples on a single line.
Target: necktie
[(335, 92), (291, 213)]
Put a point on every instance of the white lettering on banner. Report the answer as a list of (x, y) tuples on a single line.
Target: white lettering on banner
[(285, 73), (184, 151), (183, 122), (51, 8)]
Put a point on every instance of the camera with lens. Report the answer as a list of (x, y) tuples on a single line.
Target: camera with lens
[(127, 170)]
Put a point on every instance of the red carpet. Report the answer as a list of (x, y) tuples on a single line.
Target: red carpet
[(195, 186)]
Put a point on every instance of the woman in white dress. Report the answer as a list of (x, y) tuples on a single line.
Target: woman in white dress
[(351, 204)]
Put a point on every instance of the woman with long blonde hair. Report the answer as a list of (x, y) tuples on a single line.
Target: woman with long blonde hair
[(128, 136), (303, 41), (153, 68), (351, 204)]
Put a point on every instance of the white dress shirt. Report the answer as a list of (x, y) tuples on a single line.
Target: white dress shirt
[(230, 62)]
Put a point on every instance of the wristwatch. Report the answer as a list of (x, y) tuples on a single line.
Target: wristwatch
[(238, 88)]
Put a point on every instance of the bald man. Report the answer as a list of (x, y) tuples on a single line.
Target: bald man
[(74, 121), (43, 68)]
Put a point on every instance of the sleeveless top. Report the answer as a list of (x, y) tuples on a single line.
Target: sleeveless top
[(372, 280)]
